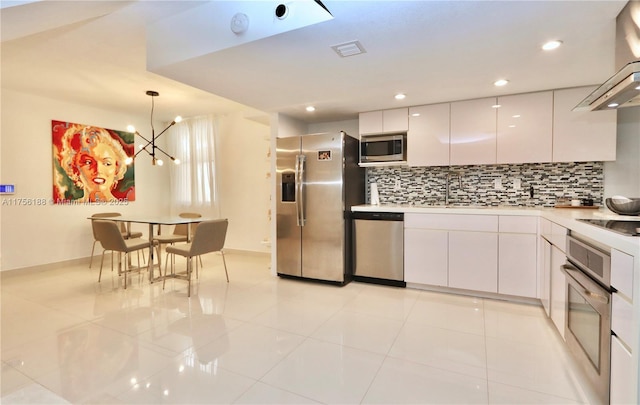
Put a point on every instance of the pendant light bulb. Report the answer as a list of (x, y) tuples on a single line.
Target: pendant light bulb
[(178, 119), (159, 162), (128, 161), (131, 128)]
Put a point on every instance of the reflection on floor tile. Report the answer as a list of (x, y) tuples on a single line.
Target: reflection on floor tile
[(326, 372), (33, 394), (260, 339), (405, 382)]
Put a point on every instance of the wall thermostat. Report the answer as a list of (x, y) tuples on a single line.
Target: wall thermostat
[(7, 188)]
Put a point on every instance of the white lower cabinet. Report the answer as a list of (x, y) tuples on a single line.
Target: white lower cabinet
[(517, 262), (624, 380), (545, 275), (473, 261), (558, 289), (426, 256), (488, 253), (623, 383)]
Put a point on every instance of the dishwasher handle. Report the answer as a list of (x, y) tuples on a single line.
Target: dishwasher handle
[(378, 216)]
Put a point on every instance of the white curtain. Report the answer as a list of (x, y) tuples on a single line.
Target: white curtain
[(193, 181)]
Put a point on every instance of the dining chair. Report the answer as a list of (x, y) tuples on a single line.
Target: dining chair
[(109, 235), (209, 237), (123, 230), (180, 233)]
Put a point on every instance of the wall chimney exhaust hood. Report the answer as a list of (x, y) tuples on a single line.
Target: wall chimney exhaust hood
[(621, 90)]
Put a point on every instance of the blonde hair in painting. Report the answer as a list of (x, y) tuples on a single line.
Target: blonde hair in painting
[(81, 137)]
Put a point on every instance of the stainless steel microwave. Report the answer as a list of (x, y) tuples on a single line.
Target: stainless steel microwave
[(383, 148)]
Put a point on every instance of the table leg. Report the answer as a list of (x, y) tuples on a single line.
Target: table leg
[(151, 253)]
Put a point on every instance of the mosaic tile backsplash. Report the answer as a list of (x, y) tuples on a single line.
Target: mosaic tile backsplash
[(541, 184)]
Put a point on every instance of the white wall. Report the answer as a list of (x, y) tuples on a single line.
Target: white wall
[(348, 126), (243, 181), (37, 235), (622, 177)]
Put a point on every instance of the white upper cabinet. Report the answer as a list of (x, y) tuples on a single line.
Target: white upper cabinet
[(473, 132), (581, 136), (370, 122), (524, 128), (385, 121), (428, 136)]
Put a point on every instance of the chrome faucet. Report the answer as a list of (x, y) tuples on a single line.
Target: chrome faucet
[(451, 174)]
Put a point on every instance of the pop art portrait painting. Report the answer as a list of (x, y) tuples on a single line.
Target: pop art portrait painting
[(89, 164)]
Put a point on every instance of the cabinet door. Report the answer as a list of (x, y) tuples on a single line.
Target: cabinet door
[(622, 273), (624, 383), (370, 122), (428, 136), (473, 261), (517, 274), (622, 318), (581, 136), (545, 275), (396, 120), (559, 237), (425, 256), (525, 128), (558, 290), (473, 132)]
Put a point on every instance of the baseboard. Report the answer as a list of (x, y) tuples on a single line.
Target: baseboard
[(85, 260), (246, 252), (46, 267)]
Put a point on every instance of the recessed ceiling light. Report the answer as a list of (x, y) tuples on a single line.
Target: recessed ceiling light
[(551, 45), (613, 105), (311, 108), (415, 114), (516, 116), (496, 106), (501, 82), (638, 88), (400, 96)]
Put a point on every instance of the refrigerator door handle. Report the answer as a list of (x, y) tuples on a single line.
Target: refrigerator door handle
[(300, 172), (297, 189)]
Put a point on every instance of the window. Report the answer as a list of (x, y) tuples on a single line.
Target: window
[(193, 180)]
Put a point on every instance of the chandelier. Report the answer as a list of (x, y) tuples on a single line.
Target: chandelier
[(150, 147)]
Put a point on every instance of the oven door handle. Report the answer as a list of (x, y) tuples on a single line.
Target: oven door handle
[(596, 296), (576, 275)]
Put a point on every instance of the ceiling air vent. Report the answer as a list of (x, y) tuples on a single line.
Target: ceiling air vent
[(349, 49)]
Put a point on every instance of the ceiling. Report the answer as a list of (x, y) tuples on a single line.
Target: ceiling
[(95, 53)]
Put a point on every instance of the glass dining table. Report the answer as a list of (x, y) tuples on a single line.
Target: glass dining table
[(154, 221)]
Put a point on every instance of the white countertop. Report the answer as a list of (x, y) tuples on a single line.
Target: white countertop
[(562, 216)]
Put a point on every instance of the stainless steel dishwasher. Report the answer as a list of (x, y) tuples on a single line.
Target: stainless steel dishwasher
[(379, 247)]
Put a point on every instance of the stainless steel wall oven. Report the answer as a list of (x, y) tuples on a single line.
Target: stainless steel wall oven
[(588, 317)]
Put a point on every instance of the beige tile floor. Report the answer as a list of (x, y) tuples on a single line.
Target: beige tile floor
[(265, 340)]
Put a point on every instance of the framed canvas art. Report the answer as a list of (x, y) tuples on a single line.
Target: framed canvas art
[(89, 164)]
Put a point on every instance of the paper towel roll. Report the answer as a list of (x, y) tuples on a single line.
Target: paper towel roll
[(375, 197)]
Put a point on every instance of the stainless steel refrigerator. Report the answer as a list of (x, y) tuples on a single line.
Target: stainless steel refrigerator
[(318, 180)]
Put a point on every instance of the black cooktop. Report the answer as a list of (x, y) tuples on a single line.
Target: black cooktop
[(627, 228)]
